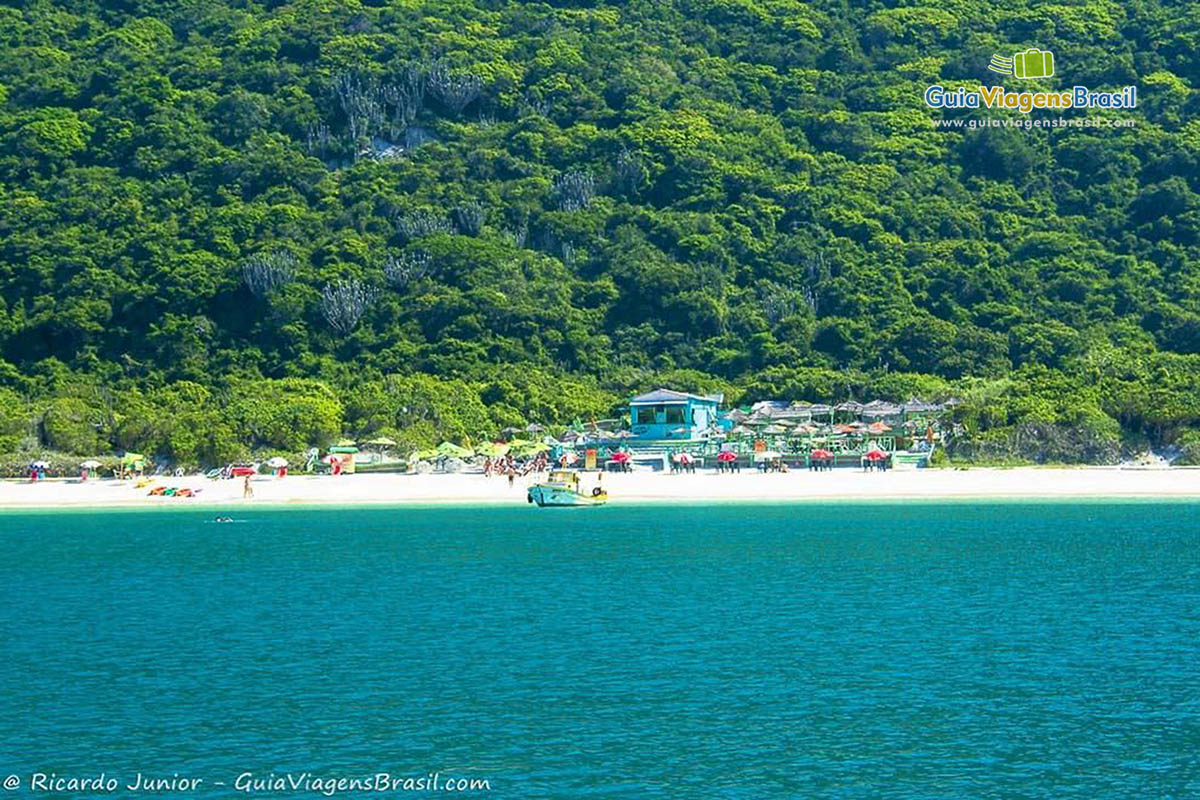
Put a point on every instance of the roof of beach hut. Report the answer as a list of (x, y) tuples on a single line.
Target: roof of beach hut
[(880, 408), (763, 405), (853, 406), (916, 405), (737, 415), (774, 430), (879, 427)]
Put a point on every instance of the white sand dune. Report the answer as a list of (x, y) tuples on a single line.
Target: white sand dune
[(1092, 482)]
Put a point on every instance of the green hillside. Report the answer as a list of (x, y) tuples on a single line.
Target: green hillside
[(233, 226)]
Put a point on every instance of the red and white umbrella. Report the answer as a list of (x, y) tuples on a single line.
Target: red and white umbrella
[(620, 457), (726, 456)]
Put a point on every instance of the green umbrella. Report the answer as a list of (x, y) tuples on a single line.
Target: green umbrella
[(452, 450), (529, 448), (424, 455), (492, 449), (382, 441)]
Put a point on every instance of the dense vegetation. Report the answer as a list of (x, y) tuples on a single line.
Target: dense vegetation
[(230, 225)]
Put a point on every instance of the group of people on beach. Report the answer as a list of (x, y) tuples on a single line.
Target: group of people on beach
[(509, 466)]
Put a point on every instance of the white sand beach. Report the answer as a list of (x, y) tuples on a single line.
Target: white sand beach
[(747, 486)]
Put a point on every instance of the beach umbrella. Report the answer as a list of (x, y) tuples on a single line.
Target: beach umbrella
[(91, 463), (533, 427), (530, 448), (277, 462), (876, 455), (492, 449), (130, 458), (726, 456), (879, 427), (423, 455), (451, 450), (820, 452), (382, 441), (40, 465), (620, 457)]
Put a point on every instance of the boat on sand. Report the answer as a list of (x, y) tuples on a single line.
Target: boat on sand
[(564, 488)]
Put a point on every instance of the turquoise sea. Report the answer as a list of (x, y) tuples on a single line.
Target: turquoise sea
[(911, 650)]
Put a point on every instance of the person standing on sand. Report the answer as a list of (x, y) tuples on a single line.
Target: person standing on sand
[(247, 489)]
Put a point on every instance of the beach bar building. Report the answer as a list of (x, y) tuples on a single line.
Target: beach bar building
[(666, 415)]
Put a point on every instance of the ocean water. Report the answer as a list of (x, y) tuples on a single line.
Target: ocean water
[(731, 651)]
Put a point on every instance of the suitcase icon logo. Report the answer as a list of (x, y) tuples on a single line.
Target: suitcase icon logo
[(1032, 63)]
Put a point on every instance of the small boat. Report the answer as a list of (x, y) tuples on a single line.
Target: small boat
[(564, 489)]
